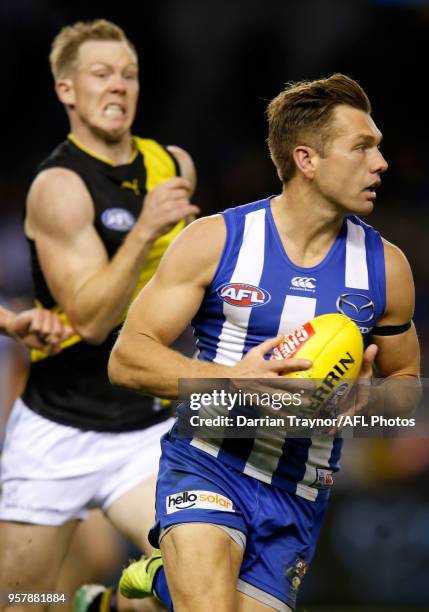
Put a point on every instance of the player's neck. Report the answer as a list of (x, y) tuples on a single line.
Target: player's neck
[(116, 153), (307, 228)]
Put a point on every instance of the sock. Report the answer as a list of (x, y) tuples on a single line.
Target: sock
[(94, 606), (160, 587), (104, 602), (113, 600)]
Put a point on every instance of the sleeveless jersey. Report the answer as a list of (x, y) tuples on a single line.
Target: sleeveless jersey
[(257, 293), (72, 387)]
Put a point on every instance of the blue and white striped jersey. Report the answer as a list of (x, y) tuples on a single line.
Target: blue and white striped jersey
[(257, 293)]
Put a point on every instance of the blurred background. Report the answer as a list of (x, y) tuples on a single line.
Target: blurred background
[(208, 69)]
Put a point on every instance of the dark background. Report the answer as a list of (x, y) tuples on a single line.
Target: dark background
[(207, 71)]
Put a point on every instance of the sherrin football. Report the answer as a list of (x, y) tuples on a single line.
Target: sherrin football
[(334, 344)]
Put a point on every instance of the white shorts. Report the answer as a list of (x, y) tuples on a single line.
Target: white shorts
[(52, 473)]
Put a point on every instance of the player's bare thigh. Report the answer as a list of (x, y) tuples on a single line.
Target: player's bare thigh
[(133, 514), (31, 557), (202, 563)]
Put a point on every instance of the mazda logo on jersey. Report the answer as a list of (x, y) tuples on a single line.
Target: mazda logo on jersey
[(357, 306), (241, 294)]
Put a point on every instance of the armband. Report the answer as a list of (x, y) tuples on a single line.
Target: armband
[(390, 330)]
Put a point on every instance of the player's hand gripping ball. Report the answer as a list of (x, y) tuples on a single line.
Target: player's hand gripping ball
[(334, 344)]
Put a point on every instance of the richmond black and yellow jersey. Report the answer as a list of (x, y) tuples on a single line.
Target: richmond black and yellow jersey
[(72, 387)]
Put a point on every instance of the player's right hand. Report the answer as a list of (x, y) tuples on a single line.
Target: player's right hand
[(257, 375), (254, 364), (39, 329), (164, 206)]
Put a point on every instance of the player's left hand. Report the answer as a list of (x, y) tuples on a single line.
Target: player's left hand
[(363, 383), (362, 390), (358, 399), (39, 329)]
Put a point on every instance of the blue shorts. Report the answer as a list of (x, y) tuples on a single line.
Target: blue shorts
[(281, 528)]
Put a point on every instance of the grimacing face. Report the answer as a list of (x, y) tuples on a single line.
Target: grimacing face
[(104, 88), (349, 174)]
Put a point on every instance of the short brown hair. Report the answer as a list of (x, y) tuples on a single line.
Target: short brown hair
[(302, 114), (66, 44)]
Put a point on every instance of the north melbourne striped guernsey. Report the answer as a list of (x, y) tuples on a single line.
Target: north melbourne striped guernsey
[(257, 293)]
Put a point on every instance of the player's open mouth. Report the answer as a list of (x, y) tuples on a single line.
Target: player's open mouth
[(114, 111), (371, 189)]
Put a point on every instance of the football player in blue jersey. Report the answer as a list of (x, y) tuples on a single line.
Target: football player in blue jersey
[(238, 519)]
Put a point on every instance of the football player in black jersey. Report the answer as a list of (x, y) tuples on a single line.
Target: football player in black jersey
[(101, 210), (35, 328)]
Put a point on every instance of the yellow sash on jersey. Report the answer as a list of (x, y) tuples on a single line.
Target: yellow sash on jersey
[(159, 168)]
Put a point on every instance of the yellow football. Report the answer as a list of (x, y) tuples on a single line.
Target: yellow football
[(334, 344)]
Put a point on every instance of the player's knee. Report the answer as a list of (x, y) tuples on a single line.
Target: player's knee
[(20, 571), (24, 581), (205, 594)]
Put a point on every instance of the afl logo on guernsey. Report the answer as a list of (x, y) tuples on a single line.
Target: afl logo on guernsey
[(118, 219), (240, 294)]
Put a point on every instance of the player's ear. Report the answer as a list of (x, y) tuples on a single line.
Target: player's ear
[(65, 91), (304, 158)]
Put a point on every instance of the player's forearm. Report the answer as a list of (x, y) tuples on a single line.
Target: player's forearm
[(396, 396), (99, 305), (143, 364)]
